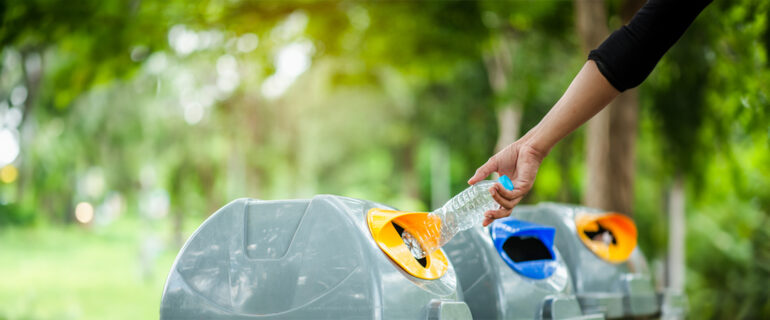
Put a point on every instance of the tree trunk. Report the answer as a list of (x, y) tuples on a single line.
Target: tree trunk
[(611, 141), (597, 191), (177, 228), (508, 121), (564, 158), (591, 19), (676, 235), (623, 123), (440, 188), (410, 180), (499, 66), (32, 70)]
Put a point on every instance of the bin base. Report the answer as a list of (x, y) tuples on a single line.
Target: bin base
[(448, 310), (608, 304)]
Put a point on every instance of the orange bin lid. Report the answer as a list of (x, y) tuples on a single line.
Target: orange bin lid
[(611, 236), (389, 240)]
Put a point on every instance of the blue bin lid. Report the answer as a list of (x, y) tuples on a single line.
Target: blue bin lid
[(539, 264)]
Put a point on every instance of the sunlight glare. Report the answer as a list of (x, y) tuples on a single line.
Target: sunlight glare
[(290, 62), (18, 95), (193, 112), (227, 73), (84, 212), (183, 41), (157, 63), (247, 42), (8, 174), (9, 146)]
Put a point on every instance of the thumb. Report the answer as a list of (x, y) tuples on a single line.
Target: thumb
[(484, 171)]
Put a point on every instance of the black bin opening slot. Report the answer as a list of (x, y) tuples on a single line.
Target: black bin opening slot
[(422, 261), (601, 235), (526, 248)]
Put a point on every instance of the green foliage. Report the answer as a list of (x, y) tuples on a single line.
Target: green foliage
[(709, 98), (425, 41), (13, 214), (147, 101)]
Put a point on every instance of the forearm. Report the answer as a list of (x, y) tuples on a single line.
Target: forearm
[(588, 94)]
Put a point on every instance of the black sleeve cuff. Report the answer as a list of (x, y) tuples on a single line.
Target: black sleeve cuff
[(629, 54), (606, 72)]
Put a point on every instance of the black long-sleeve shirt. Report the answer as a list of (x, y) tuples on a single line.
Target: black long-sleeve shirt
[(630, 53)]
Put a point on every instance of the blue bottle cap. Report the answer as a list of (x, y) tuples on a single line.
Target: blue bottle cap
[(506, 182)]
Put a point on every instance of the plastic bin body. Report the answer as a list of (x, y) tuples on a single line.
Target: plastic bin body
[(494, 290), (298, 259), (615, 289), (673, 304)]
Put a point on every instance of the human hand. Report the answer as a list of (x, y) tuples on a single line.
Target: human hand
[(519, 161)]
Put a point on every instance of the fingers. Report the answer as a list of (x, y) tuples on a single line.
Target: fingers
[(491, 215), (506, 198), (509, 194), (504, 201), (484, 171)]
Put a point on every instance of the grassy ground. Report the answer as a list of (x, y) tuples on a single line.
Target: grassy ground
[(78, 273)]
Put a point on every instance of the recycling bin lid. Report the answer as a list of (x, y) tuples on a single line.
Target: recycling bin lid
[(611, 236), (526, 247), (387, 226)]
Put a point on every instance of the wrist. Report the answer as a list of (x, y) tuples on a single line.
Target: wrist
[(536, 141)]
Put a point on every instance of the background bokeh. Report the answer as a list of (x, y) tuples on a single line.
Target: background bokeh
[(124, 124)]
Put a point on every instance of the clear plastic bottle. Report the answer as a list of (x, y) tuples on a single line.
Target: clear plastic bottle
[(462, 212)]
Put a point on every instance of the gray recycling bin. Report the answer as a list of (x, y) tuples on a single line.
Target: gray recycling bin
[(305, 259), (609, 273), (511, 270)]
